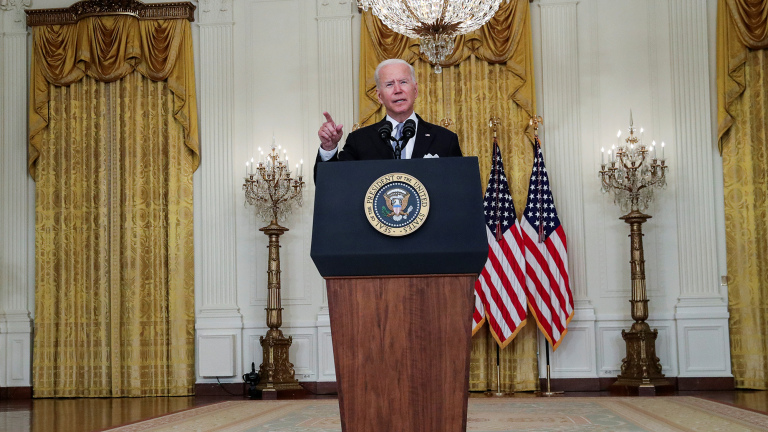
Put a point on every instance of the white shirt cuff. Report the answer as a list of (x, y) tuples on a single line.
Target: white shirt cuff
[(327, 154)]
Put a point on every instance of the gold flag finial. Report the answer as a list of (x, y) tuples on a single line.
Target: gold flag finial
[(447, 123), (536, 121), (494, 124)]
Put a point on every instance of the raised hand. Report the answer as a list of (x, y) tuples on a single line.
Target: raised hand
[(330, 133)]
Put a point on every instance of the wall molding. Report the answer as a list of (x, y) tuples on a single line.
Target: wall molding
[(218, 321), (15, 220)]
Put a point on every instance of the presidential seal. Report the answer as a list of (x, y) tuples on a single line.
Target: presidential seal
[(396, 204)]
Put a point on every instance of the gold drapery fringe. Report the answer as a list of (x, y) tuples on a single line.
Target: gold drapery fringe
[(489, 74), (519, 365), (114, 243), (108, 48), (742, 87)]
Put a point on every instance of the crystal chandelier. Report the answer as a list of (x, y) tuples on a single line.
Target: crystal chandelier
[(435, 22), (633, 171)]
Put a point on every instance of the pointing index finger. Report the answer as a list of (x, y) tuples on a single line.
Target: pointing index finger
[(328, 117)]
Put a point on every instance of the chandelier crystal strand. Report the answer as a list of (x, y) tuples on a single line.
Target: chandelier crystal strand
[(435, 22), (633, 172)]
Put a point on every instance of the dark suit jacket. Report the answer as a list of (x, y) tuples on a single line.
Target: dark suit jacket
[(365, 144)]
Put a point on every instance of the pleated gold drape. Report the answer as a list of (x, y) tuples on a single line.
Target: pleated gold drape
[(489, 74), (114, 249), (742, 84)]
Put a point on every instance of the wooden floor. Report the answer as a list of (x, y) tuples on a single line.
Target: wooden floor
[(87, 415)]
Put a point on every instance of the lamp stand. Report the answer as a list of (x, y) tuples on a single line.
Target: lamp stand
[(276, 371), (641, 368)]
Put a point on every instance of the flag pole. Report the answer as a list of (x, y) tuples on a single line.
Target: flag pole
[(535, 122), (494, 123), (498, 392), (549, 392)]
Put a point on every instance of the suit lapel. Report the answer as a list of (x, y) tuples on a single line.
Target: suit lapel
[(424, 135)]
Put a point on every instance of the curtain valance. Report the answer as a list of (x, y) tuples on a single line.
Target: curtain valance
[(750, 17), (504, 39), (742, 26), (107, 48)]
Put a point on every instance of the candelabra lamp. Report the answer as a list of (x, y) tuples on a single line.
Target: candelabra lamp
[(632, 173), (272, 191)]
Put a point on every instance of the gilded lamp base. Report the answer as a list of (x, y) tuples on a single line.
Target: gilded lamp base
[(276, 371), (641, 369)]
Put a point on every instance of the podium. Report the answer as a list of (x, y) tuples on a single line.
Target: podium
[(401, 307)]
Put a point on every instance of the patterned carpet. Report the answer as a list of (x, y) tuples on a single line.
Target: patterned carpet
[(656, 414)]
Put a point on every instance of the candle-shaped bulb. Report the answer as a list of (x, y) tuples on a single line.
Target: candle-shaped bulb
[(662, 150), (618, 135), (602, 155)]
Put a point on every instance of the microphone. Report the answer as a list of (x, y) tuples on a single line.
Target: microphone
[(409, 130), (385, 132)]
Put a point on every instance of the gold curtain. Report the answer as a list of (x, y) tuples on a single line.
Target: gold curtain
[(114, 249), (742, 84), (108, 48), (490, 73)]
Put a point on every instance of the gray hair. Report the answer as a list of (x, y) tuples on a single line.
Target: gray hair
[(390, 62)]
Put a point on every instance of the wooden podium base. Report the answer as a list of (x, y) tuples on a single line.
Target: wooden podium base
[(401, 347)]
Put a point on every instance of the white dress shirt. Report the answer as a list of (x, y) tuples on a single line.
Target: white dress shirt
[(407, 151)]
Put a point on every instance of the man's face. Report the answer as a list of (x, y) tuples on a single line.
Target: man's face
[(397, 91)]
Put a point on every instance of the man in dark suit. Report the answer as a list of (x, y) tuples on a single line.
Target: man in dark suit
[(397, 90)]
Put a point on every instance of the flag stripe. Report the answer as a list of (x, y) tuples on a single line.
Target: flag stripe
[(546, 281), (495, 316), (512, 286)]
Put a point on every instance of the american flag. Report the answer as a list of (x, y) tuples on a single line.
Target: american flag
[(499, 292), (546, 256)]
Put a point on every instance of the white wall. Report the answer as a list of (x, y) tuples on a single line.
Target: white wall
[(596, 60), (16, 205), (273, 66)]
